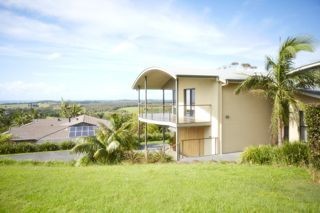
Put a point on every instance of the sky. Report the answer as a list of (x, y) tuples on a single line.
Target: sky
[(94, 50)]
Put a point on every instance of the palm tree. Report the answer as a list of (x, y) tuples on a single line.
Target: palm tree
[(281, 84), (109, 143), (70, 110), (20, 118)]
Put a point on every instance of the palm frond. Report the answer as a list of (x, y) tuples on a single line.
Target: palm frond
[(100, 154), (270, 63), (293, 45), (114, 145), (84, 147), (255, 82)]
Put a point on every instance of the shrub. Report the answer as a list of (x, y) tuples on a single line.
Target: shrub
[(5, 138), (114, 157), (84, 161), (296, 153), (48, 147), (264, 154), (159, 157), (25, 147), (6, 148), (156, 136), (313, 123), (67, 145), (134, 157)]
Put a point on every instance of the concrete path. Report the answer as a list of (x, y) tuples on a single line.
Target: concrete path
[(67, 156), (44, 156), (154, 147), (230, 157)]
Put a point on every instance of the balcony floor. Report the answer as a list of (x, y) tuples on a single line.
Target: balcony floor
[(170, 120)]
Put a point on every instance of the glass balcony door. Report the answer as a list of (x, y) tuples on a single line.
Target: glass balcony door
[(189, 102)]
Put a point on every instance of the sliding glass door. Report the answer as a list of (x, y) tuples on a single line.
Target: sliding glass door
[(189, 102)]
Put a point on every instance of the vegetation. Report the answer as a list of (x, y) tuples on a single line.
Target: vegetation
[(296, 153), (4, 138), (110, 142), (68, 110), (24, 147), (280, 84), (313, 123), (157, 188)]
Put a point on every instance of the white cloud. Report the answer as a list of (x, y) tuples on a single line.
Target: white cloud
[(105, 38), (27, 29), (54, 56), (28, 90)]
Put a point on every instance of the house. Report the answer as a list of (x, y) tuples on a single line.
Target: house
[(203, 112), (297, 129), (56, 129)]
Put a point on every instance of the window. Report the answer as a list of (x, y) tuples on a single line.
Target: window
[(189, 101), (173, 97), (78, 131), (302, 127)]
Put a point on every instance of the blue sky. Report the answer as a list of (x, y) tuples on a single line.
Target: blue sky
[(81, 49)]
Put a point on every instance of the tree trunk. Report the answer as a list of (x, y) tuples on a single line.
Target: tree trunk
[(279, 132)]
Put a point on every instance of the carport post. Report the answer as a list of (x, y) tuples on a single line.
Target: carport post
[(163, 138), (177, 121), (163, 103), (139, 133), (146, 114)]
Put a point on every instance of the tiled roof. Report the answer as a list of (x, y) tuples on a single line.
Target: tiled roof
[(54, 128)]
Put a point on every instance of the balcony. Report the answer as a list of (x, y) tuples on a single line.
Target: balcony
[(166, 114)]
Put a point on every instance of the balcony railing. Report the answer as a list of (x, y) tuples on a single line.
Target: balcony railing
[(167, 113)]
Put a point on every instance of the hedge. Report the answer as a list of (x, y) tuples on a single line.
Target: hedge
[(24, 147), (313, 123), (295, 153)]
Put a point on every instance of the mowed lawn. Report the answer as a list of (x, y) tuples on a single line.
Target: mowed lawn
[(157, 188)]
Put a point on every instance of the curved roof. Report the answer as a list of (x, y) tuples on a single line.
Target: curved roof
[(159, 77)]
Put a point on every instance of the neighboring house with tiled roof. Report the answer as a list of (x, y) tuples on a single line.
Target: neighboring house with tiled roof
[(57, 129)]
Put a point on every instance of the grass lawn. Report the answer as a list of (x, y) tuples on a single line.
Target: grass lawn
[(157, 188), (133, 109)]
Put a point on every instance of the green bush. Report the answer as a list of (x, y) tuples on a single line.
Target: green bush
[(48, 147), (84, 161), (313, 123), (134, 157), (67, 145), (5, 138), (264, 154), (159, 157), (24, 147), (156, 136), (296, 153)]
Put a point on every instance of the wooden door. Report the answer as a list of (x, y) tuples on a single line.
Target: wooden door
[(192, 141)]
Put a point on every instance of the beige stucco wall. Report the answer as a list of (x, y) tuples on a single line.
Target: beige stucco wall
[(206, 93), (248, 122), (294, 125)]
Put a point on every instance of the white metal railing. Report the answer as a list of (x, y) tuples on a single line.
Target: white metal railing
[(187, 113)]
